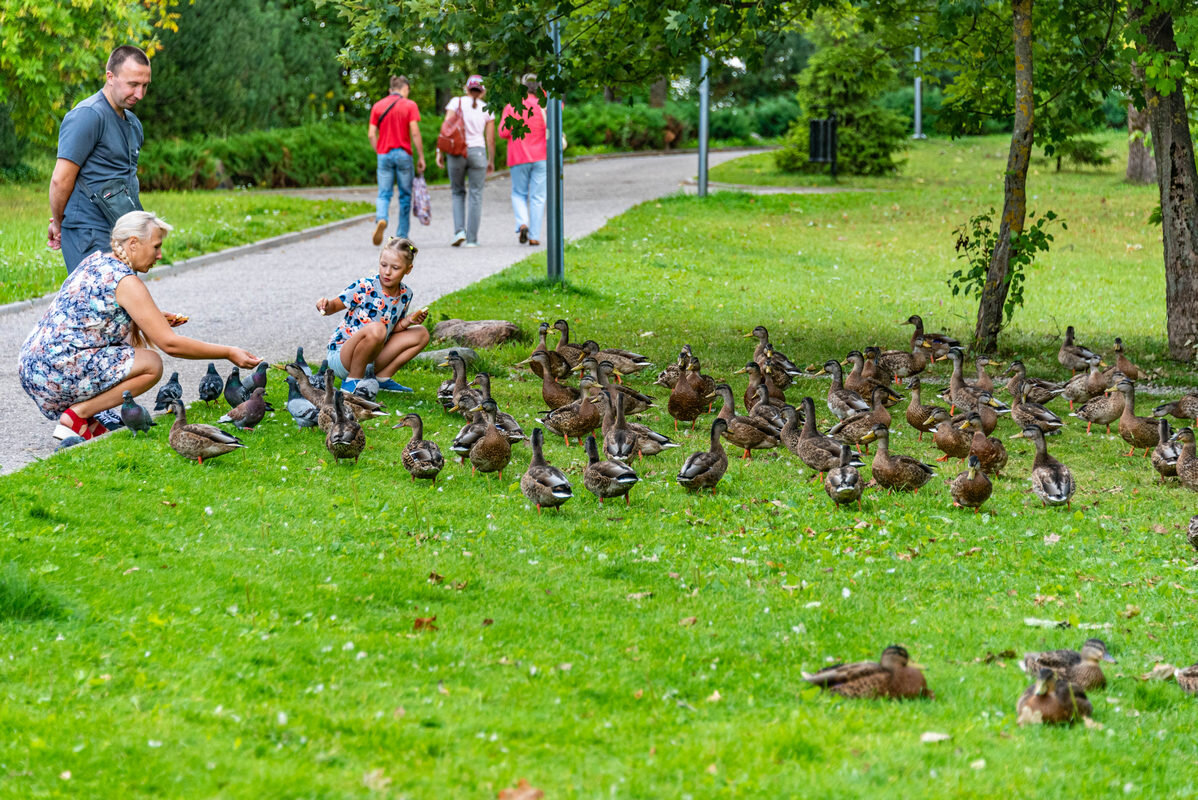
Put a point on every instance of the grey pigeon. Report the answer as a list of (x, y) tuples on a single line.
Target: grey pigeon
[(319, 378), (301, 410), (303, 365), (368, 386), (235, 393), (134, 416), (257, 379), (249, 413), (168, 394), (70, 441), (211, 385)]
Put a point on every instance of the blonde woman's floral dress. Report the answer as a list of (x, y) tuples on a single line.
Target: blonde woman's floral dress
[(80, 348)]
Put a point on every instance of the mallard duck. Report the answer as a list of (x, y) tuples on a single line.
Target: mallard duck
[(625, 362), (939, 343), (971, 488), (853, 429), (576, 419), (960, 395), (703, 470), (982, 381), (542, 483), (841, 401), (1192, 532), (892, 676), (1187, 461), (1081, 668), (197, 441), (988, 410), (506, 423), (1025, 413), (704, 384), (872, 369), (1102, 410), (1164, 456), (991, 453), (855, 381), (685, 403), (1085, 385), (949, 438), (1052, 481), (1187, 679), (1123, 364), (557, 365), (648, 441), (765, 353), (553, 393), (670, 375), (572, 353), (844, 484), (469, 433), (1039, 390), (445, 390), (345, 437), (634, 402), (1184, 409), (1074, 356), (918, 415), (326, 408), (464, 398), (1136, 431), (421, 457), (619, 442), (491, 452), (818, 451), (759, 377), (906, 364), (896, 472), (606, 479), (748, 433), (1051, 702)]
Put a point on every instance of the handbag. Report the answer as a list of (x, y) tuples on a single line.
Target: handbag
[(113, 198), (452, 139), (422, 204)]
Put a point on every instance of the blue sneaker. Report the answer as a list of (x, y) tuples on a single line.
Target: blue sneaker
[(390, 385), (110, 419), (349, 384)]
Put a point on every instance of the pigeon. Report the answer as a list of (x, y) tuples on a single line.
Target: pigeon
[(211, 385), (134, 416), (318, 379), (168, 394), (247, 414), (257, 379), (235, 393), (70, 441), (368, 386), (301, 410), (303, 365)]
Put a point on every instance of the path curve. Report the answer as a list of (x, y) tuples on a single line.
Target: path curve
[(223, 298)]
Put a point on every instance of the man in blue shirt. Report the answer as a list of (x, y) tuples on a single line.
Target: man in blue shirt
[(98, 145)]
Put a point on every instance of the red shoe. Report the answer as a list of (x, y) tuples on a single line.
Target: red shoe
[(76, 426)]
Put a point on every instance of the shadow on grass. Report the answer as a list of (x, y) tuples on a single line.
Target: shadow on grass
[(22, 600)]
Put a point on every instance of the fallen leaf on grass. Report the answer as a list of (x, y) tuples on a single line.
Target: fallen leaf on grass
[(1159, 529), (399, 713), (638, 694), (376, 780), (715, 697), (992, 657), (979, 764), (172, 505), (457, 587), (441, 688), (969, 552), (425, 624), (640, 595), (712, 769), (1092, 725), (1052, 538), (488, 621), (1161, 672), (931, 737), (566, 667), (686, 622), (1130, 612), (521, 791), (435, 578)]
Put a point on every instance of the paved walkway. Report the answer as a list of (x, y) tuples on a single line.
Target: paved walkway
[(223, 299)]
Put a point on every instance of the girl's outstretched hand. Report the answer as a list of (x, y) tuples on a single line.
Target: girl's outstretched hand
[(243, 358), (322, 304)]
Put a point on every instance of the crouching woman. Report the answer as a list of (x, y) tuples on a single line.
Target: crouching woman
[(94, 341)]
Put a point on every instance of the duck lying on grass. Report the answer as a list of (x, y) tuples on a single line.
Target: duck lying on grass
[(892, 677)]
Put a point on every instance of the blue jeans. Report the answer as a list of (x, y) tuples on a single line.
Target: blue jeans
[(528, 196), (395, 172)]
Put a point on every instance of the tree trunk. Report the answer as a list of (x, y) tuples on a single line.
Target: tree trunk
[(994, 293), (1141, 166), (609, 94), (1177, 178), (658, 92)]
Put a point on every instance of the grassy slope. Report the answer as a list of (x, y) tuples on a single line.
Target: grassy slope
[(209, 612), (204, 222)]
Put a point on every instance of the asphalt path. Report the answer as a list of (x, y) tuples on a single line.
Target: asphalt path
[(265, 301)]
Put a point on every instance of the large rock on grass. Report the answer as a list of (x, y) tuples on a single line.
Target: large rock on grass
[(476, 333)]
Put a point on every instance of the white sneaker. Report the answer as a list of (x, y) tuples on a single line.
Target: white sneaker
[(458, 238), (472, 244)]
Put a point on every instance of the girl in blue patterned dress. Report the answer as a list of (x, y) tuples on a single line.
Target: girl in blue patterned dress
[(376, 329), (91, 345)]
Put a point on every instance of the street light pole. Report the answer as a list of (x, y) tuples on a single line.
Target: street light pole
[(919, 134), (555, 194), (704, 102)]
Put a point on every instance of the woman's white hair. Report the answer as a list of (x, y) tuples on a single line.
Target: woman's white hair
[(140, 224)]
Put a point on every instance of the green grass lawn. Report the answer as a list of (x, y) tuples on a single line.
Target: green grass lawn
[(247, 628), (204, 222)]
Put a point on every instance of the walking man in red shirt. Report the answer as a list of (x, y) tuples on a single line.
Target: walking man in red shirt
[(395, 136)]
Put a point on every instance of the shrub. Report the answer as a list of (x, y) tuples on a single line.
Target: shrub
[(902, 102), (1083, 152)]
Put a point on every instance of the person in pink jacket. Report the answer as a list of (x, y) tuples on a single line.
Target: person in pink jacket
[(526, 160)]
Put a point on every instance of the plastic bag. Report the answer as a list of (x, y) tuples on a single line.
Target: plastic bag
[(422, 204)]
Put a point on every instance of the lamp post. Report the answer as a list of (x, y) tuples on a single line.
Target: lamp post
[(555, 194), (704, 102), (919, 134)]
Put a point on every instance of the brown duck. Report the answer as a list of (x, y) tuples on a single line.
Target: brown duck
[(421, 458), (506, 423), (685, 403), (625, 362), (844, 484), (648, 441), (988, 410), (1074, 356), (542, 483), (1051, 702), (853, 429), (758, 377), (747, 433), (1039, 390), (1052, 481), (492, 451), (991, 453), (704, 469), (904, 364), (842, 402), (918, 415), (553, 393), (1102, 410), (576, 419), (971, 488), (345, 437), (950, 439), (557, 365), (571, 352), (634, 402), (1026, 412), (1082, 668), (896, 472), (607, 479), (939, 343), (892, 677), (197, 441), (1184, 409), (1187, 460), (1136, 431), (1165, 454)]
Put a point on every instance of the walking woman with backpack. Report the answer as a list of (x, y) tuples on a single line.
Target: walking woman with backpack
[(466, 147)]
